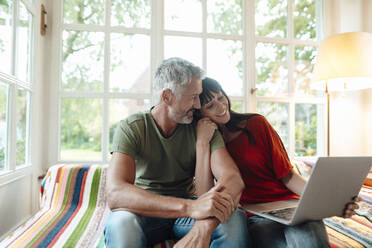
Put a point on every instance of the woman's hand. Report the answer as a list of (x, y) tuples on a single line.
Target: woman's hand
[(350, 207), (205, 130)]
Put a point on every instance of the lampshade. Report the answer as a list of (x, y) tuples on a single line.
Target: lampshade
[(344, 62)]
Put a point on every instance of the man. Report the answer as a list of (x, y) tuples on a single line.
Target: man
[(152, 169)]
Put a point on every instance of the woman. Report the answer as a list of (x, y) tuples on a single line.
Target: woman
[(264, 165)]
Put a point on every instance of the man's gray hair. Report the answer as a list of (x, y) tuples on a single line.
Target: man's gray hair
[(175, 73)]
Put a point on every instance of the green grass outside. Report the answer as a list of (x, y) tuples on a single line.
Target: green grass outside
[(80, 154)]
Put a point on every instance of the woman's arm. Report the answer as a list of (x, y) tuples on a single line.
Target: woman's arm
[(204, 180), (294, 182)]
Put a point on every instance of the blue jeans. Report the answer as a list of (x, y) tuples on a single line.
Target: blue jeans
[(268, 233), (125, 229)]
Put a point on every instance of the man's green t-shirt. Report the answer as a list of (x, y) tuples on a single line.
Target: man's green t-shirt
[(164, 166)]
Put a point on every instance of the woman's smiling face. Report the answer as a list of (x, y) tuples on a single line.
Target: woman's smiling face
[(217, 109)]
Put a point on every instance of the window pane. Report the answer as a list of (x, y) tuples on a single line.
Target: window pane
[(130, 56), (277, 115), (271, 18), (183, 15), (131, 13), (6, 9), (24, 42), (237, 106), (305, 20), (3, 124), (225, 64), (308, 129), (225, 16), (81, 125), (82, 62), (121, 109), (271, 69), (184, 47), (304, 64), (84, 11), (22, 127)]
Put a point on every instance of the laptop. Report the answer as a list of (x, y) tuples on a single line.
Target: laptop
[(334, 181)]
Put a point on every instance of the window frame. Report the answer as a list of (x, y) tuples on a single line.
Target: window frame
[(11, 171), (157, 33)]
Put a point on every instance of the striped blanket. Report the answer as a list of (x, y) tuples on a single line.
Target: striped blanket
[(73, 212)]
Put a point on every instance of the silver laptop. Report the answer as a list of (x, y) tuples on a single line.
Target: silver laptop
[(334, 181)]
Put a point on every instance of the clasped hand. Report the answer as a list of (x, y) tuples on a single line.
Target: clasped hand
[(213, 203)]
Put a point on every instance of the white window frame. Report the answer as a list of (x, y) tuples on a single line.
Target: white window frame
[(14, 85), (11, 171), (157, 33)]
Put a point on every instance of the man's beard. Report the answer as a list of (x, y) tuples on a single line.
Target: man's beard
[(181, 118)]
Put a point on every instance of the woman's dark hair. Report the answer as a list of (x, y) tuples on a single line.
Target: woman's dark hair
[(211, 86)]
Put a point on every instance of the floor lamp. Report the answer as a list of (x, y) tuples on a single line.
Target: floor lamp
[(344, 62)]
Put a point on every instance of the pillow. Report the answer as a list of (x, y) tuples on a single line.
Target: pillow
[(303, 167), (368, 181)]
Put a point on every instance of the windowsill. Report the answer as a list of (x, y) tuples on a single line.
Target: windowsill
[(7, 177)]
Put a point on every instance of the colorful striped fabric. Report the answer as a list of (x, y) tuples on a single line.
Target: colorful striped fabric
[(355, 231), (73, 212)]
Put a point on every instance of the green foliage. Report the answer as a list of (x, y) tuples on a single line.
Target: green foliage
[(237, 106), (306, 130), (304, 19), (4, 3), (228, 17), (84, 11), (81, 124), (131, 13), (79, 78), (2, 158), (20, 152), (276, 26)]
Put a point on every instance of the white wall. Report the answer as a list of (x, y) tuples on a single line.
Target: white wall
[(367, 102), (347, 123), (367, 97), (350, 112), (15, 204), (367, 16)]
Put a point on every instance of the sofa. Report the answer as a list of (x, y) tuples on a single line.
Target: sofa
[(73, 210)]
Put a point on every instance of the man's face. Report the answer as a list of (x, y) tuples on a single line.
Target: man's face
[(186, 101)]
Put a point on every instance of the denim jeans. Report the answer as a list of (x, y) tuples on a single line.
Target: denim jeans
[(268, 233), (125, 229)]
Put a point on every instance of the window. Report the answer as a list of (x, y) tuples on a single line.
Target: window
[(16, 82), (110, 50), (286, 44)]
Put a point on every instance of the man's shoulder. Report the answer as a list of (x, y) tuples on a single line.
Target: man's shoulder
[(135, 119)]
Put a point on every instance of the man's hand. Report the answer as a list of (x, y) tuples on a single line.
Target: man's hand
[(198, 237), (350, 207), (205, 130), (213, 203)]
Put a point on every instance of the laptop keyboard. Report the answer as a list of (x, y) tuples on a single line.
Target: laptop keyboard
[(285, 213)]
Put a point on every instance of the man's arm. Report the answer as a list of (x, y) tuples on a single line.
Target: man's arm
[(123, 195), (228, 176), (227, 173)]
